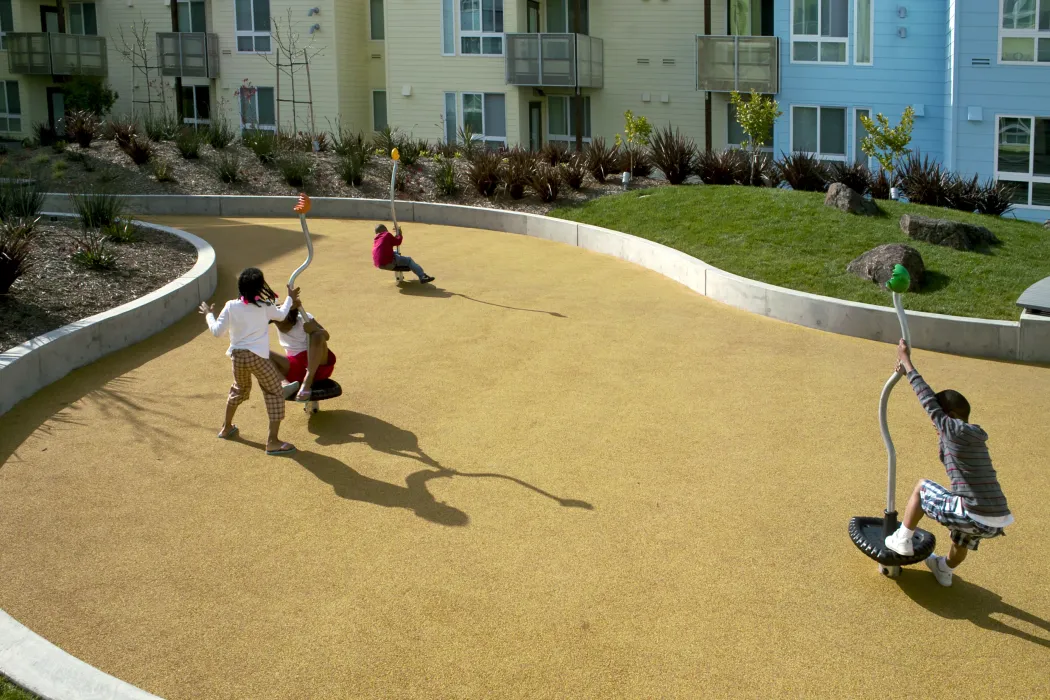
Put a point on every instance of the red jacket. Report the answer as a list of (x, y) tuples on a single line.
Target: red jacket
[(383, 248)]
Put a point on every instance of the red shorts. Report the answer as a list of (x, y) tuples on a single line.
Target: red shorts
[(300, 362)]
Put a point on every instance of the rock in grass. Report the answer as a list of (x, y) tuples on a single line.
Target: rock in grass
[(877, 264), (1046, 224), (953, 234), (844, 199)]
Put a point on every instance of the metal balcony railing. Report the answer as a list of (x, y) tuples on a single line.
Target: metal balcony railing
[(43, 53), (188, 54), (742, 63), (555, 60)]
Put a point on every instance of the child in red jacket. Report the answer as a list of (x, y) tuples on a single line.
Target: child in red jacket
[(385, 258)]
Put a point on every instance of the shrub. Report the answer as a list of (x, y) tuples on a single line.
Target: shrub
[(89, 250), (44, 134), (139, 150), (855, 176), (59, 146), (410, 151), (82, 126), (40, 160), (546, 181), (162, 170), (445, 178), (554, 152), (122, 130), (352, 168), (98, 209), (672, 154), (880, 185), (295, 168), (16, 249), (636, 160), (20, 199), (189, 143), (962, 194), (228, 167), (264, 144), (573, 171), (386, 140), (446, 150), (470, 146), (484, 172), (220, 134), (345, 142), (58, 169), (602, 161), (120, 232), (88, 93), (924, 181), (161, 127), (716, 167), (518, 171), (804, 172), (996, 198), (320, 139)]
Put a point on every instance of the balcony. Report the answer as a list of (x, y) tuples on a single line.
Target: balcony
[(42, 53), (555, 60), (188, 54), (741, 63)]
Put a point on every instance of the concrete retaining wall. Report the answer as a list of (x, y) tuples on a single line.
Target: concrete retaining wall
[(29, 367), (1027, 339)]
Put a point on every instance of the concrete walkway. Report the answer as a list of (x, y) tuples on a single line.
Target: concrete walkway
[(554, 474)]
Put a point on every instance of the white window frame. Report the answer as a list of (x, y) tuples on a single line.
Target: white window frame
[(370, 37), (565, 138), (254, 124), (818, 39), (190, 13), (1035, 34), (818, 155), (373, 110), (483, 136), (459, 33), (765, 149), (1030, 177), (857, 156), (7, 115), (238, 33), (4, 30), (195, 120), (856, 33)]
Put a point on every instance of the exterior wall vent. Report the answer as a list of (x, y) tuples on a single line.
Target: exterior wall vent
[(668, 61), (377, 55), (643, 61), (980, 62)]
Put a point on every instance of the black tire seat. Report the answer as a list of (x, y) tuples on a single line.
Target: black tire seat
[(323, 389), (402, 268), (866, 533)]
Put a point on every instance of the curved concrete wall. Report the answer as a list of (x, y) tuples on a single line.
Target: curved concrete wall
[(34, 364), (1027, 339)]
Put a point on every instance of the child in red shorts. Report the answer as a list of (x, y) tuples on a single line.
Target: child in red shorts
[(308, 359)]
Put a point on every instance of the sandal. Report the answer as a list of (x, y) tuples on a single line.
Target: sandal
[(285, 449), (232, 432)]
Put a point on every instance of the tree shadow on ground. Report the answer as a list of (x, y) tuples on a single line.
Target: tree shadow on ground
[(968, 601), (341, 427), (429, 290)]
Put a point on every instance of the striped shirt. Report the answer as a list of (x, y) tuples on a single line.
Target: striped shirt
[(964, 453)]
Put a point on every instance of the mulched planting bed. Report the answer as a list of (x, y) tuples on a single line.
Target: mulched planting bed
[(57, 290)]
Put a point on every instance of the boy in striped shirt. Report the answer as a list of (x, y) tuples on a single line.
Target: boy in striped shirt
[(975, 507)]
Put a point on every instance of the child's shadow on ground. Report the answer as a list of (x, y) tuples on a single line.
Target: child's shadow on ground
[(968, 601), (429, 290), (339, 426)]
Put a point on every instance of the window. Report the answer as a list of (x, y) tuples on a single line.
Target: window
[(481, 27), (10, 107), (1022, 158), (258, 109), (561, 118), (486, 115), (82, 18), (561, 17), (859, 132), (819, 29), (375, 18), (1024, 32), (451, 119), (820, 131), (448, 28), (253, 25), (7, 22), (735, 136), (379, 121), (863, 31), (191, 16), (196, 104)]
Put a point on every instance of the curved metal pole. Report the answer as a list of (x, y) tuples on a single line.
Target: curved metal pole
[(309, 252), (891, 478), (393, 214)]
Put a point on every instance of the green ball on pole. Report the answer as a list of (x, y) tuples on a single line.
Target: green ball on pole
[(899, 280)]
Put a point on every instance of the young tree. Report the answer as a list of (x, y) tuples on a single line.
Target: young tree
[(139, 51), (292, 55), (756, 115), (887, 144), (636, 131)]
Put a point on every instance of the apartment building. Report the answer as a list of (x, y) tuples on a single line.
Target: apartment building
[(977, 72)]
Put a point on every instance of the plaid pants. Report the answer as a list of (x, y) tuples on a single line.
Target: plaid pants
[(245, 364)]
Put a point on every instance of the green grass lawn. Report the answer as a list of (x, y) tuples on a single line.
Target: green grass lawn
[(10, 692), (792, 240)]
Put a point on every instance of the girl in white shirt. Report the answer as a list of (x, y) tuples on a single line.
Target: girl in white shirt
[(247, 319)]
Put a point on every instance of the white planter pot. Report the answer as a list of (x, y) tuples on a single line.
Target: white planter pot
[(894, 193)]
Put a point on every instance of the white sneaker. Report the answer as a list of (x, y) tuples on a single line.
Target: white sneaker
[(290, 390), (900, 544), (940, 569)]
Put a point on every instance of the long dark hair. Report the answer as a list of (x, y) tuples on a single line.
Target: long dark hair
[(253, 288)]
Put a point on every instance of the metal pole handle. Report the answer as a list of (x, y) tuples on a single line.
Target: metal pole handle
[(891, 478), (393, 182), (302, 208)]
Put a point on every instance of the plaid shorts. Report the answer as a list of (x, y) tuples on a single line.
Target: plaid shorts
[(245, 364), (940, 504)]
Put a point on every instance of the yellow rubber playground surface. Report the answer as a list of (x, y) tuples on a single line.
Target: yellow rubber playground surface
[(554, 475)]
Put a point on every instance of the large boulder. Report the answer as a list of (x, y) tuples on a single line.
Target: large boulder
[(954, 234), (877, 264), (844, 199)]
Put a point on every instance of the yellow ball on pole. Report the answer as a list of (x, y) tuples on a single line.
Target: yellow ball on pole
[(395, 155)]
